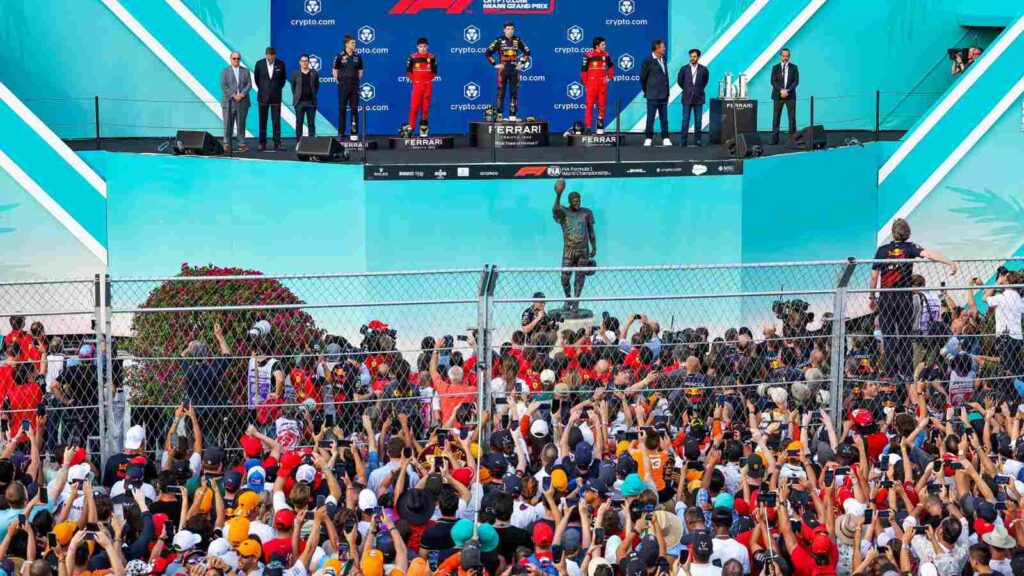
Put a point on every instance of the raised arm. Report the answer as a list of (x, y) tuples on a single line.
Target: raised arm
[(557, 211)]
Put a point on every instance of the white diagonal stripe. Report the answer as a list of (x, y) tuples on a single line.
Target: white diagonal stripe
[(54, 141), (51, 206), (166, 57), (970, 77), (716, 48), (953, 159), (218, 46)]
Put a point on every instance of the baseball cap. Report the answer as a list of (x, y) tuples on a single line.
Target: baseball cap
[(543, 534), (305, 474), (237, 530), (251, 446), (724, 500), (547, 376), (213, 457), (632, 486), (822, 544), (246, 502), (367, 499), (539, 428), (583, 455), (232, 480), (257, 477), (513, 484), (185, 540), (559, 479), (284, 519), (64, 531), (702, 544), (133, 437), (250, 547)]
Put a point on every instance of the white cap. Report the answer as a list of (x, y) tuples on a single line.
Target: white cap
[(185, 540), (539, 428), (78, 472), (133, 437), (778, 395), (853, 507), (305, 474), (218, 547), (547, 376), (367, 499)]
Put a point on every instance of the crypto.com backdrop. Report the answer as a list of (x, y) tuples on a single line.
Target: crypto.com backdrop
[(558, 33)]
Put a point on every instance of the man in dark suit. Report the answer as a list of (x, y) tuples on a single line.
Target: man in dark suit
[(269, 76), (693, 79), (305, 86), (654, 83), (785, 78)]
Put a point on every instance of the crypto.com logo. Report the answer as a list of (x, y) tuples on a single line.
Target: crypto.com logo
[(471, 34), (314, 62), (574, 90), (574, 34), (471, 91), (627, 7), (366, 34), (312, 7), (626, 62), (414, 6), (367, 92), (526, 65)]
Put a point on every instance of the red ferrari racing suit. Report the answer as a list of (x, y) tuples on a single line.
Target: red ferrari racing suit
[(420, 70), (595, 72)]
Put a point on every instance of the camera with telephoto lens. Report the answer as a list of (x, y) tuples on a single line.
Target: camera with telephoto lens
[(551, 320), (954, 52), (783, 308), (259, 331)]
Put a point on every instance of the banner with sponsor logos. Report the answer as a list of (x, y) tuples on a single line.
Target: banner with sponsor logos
[(563, 170), (558, 33)]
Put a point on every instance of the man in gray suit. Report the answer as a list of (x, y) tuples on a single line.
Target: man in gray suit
[(235, 85)]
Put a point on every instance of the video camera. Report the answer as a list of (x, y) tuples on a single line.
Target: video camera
[(784, 308), (953, 52)]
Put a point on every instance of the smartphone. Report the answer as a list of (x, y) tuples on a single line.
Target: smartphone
[(25, 425), (648, 508), (186, 402), (407, 452), (933, 487), (556, 553), (327, 444), (320, 499), (1002, 480), (51, 540), (329, 420), (720, 399), (599, 536), (572, 502), (464, 433), (92, 527), (546, 483), (504, 421), (844, 471), (886, 483), (343, 552), (616, 504), (89, 536), (500, 401), (696, 465), (630, 435), (768, 498), (955, 465), (434, 559), (936, 465), (1001, 506), (441, 434), (684, 555), (830, 477), (169, 530), (883, 464), (44, 495), (344, 443), (41, 410), (378, 511), (883, 514), (21, 519), (438, 464), (556, 405), (869, 515), (921, 530)]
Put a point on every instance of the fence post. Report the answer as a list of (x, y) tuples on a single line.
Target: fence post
[(96, 106), (837, 362), (878, 114), (362, 129), (99, 301), (618, 133), (115, 405), (484, 352)]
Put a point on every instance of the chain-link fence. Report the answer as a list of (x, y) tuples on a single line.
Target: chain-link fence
[(292, 355)]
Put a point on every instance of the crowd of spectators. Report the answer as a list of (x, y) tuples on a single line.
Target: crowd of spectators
[(618, 449)]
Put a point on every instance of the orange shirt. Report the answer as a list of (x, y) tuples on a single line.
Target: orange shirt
[(451, 395), (658, 460)]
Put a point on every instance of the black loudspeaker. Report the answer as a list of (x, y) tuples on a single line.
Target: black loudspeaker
[(320, 149), (815, 133), (745, 145), (197, 142)]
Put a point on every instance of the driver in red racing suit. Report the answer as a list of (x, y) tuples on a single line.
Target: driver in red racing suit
[(512, 54), (421, 69), (596, 72)]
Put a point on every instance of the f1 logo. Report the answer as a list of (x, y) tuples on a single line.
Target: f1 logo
[(414, 6), (531, 171)]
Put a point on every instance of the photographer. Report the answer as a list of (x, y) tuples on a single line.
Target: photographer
[(1008, 311), (534, 316), (265, 380), (959, 64)]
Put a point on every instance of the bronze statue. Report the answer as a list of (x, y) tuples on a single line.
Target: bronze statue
[(579, 241)]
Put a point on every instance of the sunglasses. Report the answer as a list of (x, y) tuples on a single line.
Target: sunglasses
[(236, 58)]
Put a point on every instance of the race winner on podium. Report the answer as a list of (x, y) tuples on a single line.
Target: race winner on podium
[(512, 54)]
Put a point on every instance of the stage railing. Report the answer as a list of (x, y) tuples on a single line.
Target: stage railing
[(867, 116), (345, 346)]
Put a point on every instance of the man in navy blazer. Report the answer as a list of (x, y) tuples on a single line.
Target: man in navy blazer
[(654, 83), (693, 79), (785, 78)]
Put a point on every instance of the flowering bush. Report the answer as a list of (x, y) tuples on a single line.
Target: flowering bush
[(160, 337)]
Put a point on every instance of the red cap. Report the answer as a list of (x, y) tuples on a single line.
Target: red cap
[(290, 460), (269, 411), (862, 417), (821, 544), (741, 506), (377, 325), (981, 527), (284, 519), (251, 446), (78, 456), (543, 534), (138, 461)]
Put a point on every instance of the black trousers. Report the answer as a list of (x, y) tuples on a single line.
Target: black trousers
[(659, 107), (348, 98), (275, 115), (896, 321), (305, 110), (508, 77), (777, 105)]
